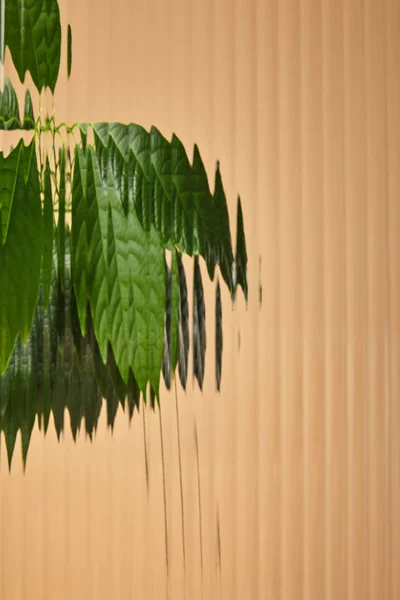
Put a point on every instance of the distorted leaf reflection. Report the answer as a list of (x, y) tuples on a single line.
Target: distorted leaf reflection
[(59, 368)]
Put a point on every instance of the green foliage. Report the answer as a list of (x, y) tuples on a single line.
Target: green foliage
[(168, 192), (58, 369), (174, 336), (48, 227), (33, 36), (218, 336), (21, 254), (97, 310), (119, 270), (69, 51), (241, 252), (9, 109), (61, 217), (183, 323), (199, 325)]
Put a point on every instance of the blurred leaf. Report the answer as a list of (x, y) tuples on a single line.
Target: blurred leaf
[(199, 325), (48, 235), (74, 396), (133, 398), (224, 254), (9, 172), (9, 109), (241, 253), (112, 408), (60, 393), (119, 389), (218, 336), (183, 314), (118, 268), (168, 191), (152, 399), (20, 256), (44, 345), (61, 216), (166, 364), (171, 333), (79, 236), (83, 127), (29, 118), (174, 287), (137, 294), (69, 51)]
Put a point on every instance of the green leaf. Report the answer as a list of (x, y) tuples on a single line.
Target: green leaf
[(74, 396), (33, 35), (70, 356), (66, 310), (174, 311), (10, 434), (118, 390), (199, 325), (166, 364), (206, 214), (60, 393), (44, 336), (69, 51), (118, 268), (58, 369), (79, 235), (91, 398), (137, 294), (112, 409), (20, 256), (183, 314), (48, 234), (169, 192), (94, 263), (29, 118), (18, 398), (223, 244), (61, 217), (133, 397), (218, 336), (241, 253), (9, 172), (153, 399), (2, 14), (27, 414), (9, 109), (83, 127), (7, 413)]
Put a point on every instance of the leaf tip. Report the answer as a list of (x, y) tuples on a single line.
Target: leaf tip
[(69, 51)]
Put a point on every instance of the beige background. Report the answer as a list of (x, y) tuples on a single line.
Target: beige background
[(290, 476)]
